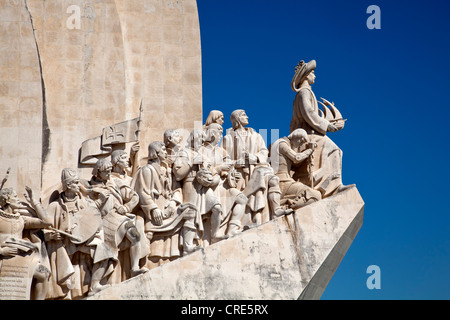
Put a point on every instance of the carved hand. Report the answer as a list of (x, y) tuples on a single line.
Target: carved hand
[(8, 251), (157, 216), (121, 210), (331, 128), (135, 148), (53, 236), (30, 196)]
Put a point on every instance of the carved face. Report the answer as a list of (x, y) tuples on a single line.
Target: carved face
[(199, 139), (311, 77), (123, 161), (297, 141), (13, 200), (105, 174), (73, 186), (243, 119), (213, 136), (162, 154), (219, 120), (175, 138)]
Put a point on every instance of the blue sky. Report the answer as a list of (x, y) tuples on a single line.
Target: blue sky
[(392, 86)]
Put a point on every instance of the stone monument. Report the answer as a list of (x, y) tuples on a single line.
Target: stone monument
[(71, 70), (137, 199)]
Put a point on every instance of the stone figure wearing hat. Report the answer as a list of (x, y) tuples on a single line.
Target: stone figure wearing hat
[(327, 157), (78, 254)]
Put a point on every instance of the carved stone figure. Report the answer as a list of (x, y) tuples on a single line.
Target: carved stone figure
[(283, 154), (247, 148), (327, 157), (78, 254), (116, 204), (172, 142), (121, 170), (169, 226), (215, 116), (232, 200), (23, 257), (192, 167)]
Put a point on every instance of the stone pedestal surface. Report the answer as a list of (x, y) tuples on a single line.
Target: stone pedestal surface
[(292, 257)]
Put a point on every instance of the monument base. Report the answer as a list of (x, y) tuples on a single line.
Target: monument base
[(292, 257)]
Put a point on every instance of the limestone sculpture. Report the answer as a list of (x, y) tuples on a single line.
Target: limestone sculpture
[(326, 175), (169, 225), (23, 255), (285, 153), (247, 148), (129, 219), (76, 246)]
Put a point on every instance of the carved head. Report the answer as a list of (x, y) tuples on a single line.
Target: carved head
[(196, 139), (303, 72), (8, 197), (120, 158), (239, 117), (298, 137), (102, 169), (172, 137), (70, 180), (214, 133), (215, 116), (157, 150)]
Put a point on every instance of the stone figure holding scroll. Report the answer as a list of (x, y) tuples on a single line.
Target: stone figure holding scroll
[(23, 256), (327, 157), (77, 250), (169, 225)]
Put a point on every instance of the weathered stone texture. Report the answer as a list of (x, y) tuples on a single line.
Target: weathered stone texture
[(60, 86), (292, 257)]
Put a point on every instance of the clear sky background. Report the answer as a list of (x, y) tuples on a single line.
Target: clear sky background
[(392, 85)]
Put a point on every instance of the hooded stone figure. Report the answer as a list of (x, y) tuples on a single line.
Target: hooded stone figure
[(324, 174)]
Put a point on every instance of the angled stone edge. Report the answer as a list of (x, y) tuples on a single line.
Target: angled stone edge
[(292, 257)]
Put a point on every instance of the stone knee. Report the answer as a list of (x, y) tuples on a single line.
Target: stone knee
[(132, 233)]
